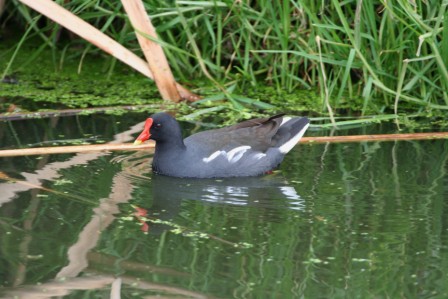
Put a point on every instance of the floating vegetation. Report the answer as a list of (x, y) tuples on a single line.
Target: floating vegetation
[(144, 219)]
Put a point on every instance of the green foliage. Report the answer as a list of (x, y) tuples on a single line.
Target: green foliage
[(385, 52)]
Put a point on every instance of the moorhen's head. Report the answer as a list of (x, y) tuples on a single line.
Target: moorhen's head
[(160, 127)]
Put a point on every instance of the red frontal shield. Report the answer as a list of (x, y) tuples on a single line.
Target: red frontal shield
[(145, 134)]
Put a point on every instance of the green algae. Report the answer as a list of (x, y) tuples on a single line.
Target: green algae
[(61, 81), (45, 85), (89, 89)]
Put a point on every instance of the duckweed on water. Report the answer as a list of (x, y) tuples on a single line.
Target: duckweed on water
[(70, 90), (59, 86), (52, 87)]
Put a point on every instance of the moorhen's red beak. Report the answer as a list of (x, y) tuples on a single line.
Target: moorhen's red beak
[(145, 134)]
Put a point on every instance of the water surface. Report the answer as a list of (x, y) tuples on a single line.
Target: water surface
[(358, 220)]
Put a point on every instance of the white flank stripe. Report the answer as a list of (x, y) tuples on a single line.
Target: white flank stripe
[(288, 145), (258, 156), (232, 156), (235, 154), (213, 156)]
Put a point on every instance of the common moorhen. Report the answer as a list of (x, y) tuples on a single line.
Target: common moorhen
[(250, 148)]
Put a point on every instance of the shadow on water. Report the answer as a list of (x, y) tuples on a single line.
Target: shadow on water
[(364, 220)]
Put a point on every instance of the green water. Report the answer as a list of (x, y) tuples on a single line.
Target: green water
[(358, 220)]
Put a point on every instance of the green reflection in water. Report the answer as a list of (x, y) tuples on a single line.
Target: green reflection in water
[(340, 221)]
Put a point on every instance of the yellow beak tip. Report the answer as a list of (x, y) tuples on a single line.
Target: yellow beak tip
[(137, 142)]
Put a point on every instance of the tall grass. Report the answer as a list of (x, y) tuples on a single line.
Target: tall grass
[(392, 54)]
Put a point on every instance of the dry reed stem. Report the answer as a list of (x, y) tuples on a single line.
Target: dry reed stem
[(151, 144), (78, 26), (2, 6), (158, 64)]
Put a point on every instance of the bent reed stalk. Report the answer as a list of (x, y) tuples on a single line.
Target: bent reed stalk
[(151, 145), (390, 55)]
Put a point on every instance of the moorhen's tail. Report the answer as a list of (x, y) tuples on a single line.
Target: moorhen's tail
[(290, 132)]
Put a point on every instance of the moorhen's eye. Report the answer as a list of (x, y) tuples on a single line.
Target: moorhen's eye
[(158, 125)]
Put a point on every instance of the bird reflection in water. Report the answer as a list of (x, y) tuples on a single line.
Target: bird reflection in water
[(261, 191), (269, 192)]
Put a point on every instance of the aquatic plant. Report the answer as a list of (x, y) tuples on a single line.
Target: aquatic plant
[(391, 54)]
